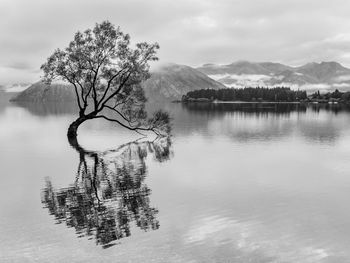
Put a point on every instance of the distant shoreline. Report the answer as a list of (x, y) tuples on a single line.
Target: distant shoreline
[(258, 102), (240, 102)]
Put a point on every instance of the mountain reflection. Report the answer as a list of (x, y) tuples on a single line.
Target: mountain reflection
[(109, 192), (48, 108), (262, 122), (264, 108)]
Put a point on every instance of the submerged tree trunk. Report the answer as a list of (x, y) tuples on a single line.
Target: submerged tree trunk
[(73, 127)]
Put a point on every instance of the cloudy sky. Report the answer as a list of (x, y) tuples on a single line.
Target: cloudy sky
[(191, 32)]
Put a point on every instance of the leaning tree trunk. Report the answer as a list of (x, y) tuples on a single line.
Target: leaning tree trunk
[(73, 127)]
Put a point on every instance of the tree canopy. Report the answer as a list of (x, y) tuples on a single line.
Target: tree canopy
[(106, 74)]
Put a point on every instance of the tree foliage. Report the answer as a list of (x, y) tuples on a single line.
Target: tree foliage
[(335, 95), (106, 74)]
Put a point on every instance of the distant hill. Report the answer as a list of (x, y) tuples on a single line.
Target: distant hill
[(324, 75), (167, 83), (243, 67), (41, 92), (325, 72), (14, 88), (172, 81)]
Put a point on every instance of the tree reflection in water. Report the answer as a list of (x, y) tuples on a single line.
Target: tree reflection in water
[(109, 192)]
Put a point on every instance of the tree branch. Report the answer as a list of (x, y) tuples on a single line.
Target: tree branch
[(94, 87), (116, 92), (76, 91), (128, 127), (108, 85), (120, 114), (144, 60), (82, 93)]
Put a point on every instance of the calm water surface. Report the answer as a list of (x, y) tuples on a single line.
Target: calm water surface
[(236, 183)]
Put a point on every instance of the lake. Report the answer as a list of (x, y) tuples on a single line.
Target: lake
[(235, 183)]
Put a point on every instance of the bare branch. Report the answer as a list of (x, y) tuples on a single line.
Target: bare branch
[(82, 93), (109, 85), (120, 114), (126, 126), (116, 92), (76, 92)]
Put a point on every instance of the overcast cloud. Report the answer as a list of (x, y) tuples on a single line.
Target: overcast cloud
[(191, 32)]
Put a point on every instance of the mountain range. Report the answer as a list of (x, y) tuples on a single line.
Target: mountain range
[(311, 76), (169, 82)]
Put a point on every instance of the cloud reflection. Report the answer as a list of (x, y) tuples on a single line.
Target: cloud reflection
[(250, 238)]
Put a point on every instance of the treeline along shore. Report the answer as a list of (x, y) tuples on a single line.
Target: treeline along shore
[(263, 94)]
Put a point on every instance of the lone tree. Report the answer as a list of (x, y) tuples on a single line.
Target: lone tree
[(106, 74)]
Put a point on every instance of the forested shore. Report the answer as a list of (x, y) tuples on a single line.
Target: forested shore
[(263, 94)]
